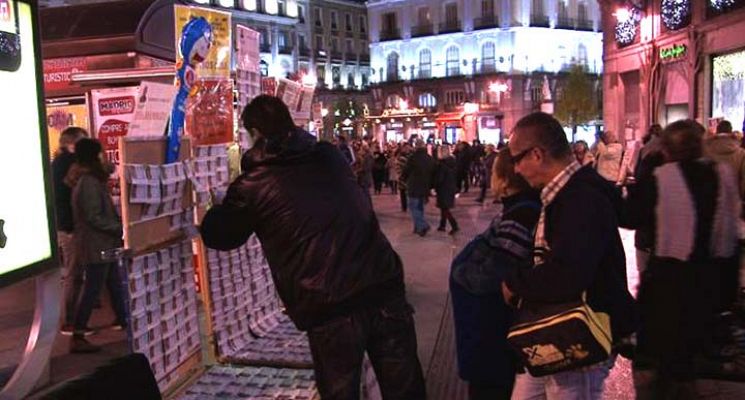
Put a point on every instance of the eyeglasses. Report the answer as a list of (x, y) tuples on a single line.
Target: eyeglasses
[(519, 156)]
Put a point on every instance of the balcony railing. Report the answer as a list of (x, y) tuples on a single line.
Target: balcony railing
[(365, 58), (486, 22), (265, 48), (450, 26), (391, 34), (336, 55), (350, 56), (584, 25), (488, 67), (539, 21), (422, 30), (285, 49), (566, 23), (453, 71)]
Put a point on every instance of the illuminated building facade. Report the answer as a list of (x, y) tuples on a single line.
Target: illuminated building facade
[(473, 67), (673, 59)]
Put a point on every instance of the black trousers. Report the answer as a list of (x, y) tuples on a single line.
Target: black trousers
[(447, 216), (387, 335), (404, 199)]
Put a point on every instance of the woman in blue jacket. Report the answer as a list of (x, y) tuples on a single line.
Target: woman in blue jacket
[(482, 318)]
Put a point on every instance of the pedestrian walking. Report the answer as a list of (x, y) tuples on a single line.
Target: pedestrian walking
[(693, 204), (403, 159), (578, 259), (482, 318), (97, 228), (724, 147), (418, 176), (392, 165), (463, 166), (582, 153), (444, 184), (379, 170), (488, 164), (363, 166), (333, 267), (346, 151), (650, 157), (72, 272), (609, 156)]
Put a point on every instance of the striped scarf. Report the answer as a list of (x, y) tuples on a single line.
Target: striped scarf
[(548, 194)]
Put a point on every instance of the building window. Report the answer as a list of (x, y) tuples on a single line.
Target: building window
[(334, 44), (318, 16), (282, 39), (427, 100), (363, 24), (350, 46), (582, 55), (319, 42), (582, 12), (488, 51), (393, 101), (336, 76), (365, 80), (301, 42), (454, 97), (487, 8), (348, 21), (425, 64), (563, 12), (392, 64), (249, 5), (321, 75), (264, 68), (301, 14), (538, 10), (333, 20), (350, 81), (281, 10), (389, 22), (423, 16), (363, 45), (451, 12), (453, 61)]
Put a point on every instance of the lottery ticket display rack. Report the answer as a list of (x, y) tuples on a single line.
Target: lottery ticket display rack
[(245, 347)]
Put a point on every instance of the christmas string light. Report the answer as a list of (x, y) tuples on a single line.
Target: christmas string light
[(721, 5), (677, 13), (626, 27)]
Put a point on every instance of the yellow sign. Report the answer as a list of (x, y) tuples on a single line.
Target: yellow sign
[(217, 64), (64, 115)]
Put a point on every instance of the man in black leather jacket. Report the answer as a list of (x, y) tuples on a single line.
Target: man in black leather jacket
[(333, 267)]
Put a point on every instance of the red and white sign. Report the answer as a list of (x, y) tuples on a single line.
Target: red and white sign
[(113, 110), (58, 72)]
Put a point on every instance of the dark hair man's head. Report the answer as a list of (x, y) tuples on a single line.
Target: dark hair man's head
[(682, 140), (267, 117), (87, 151), (70, 136), (539, 148), (724, 126)]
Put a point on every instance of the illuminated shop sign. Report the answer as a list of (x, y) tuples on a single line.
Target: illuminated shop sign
[(673, 52)]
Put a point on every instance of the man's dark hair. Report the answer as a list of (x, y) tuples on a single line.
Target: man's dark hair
[(724, 126), (342, 139), (270, 116), (682, 140), (545, 131)]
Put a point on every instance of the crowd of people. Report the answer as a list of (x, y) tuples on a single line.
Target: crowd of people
[(541, 303)]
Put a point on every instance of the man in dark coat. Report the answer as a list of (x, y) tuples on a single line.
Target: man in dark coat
[(418, 176), (578, 250), (445, 187), (334, 269), (72, 272)]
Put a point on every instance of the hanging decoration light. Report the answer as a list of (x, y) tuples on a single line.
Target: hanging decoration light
[(676, 14), (627, 22), (721, 5)]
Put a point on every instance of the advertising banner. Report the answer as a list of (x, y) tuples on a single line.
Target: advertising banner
[(152, 110), (113, 110), (217, 64), (209, 113), (58, 72), (62, 115), (27, 244)]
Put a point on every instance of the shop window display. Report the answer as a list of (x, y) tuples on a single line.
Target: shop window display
[(728, 88)]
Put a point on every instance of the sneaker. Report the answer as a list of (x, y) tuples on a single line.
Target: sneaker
[(454, 231), (68, 329), (79, 345)]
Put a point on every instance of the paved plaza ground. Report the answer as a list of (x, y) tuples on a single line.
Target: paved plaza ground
[(426, 264)]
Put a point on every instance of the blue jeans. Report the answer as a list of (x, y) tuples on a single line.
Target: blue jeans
[(416, 206), (582, 384), (96, 275)]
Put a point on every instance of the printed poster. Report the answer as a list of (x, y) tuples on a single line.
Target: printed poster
[(247, 74), (113, 110), (209, 113), (62, 115), (58, 72), (153, 109), (217, 64)]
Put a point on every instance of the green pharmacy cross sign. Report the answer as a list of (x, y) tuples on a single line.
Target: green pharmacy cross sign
[(673, 52)]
